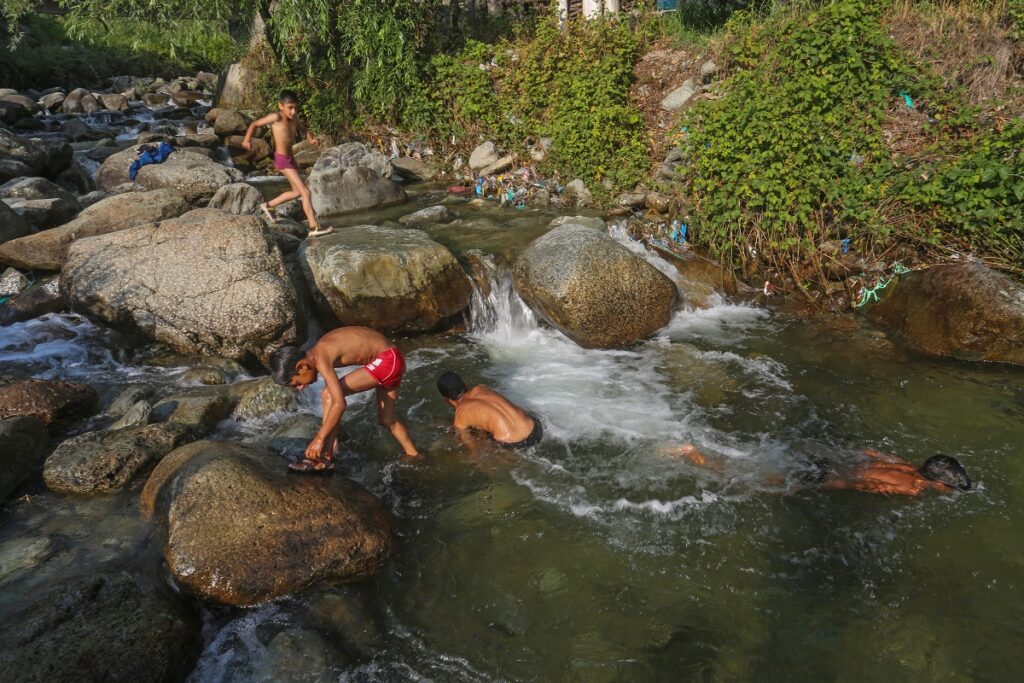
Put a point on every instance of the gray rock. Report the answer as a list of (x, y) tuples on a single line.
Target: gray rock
[(52, 102), (631, 200), (206, 140), (102, 462), (42, 298), (593, 289), (264, 398), (11, 112), (207, 81), (22, 554), (207, 283), (195, 176), (429, 216), (114, 102), (352, 155), (60, 205), (47, 250), (200, 411), (231, 122), (681, 96), (23, 441), (77, 179), (30, 105), (237, 87), (49, 401), (483, 156), (12, 226), (220, 500), (586, 221), (78, 130), (576, 191), (126, 398), (499, 166), (291, 438), (964, 311), (238, 198), (41, 158), (299, 655), (205, 375), (90, 198), (152, 99), (391, 279), (339, 190), (708, 70), (13, 282), (98, 627), (416, 169), (73, 101), (136, 416)]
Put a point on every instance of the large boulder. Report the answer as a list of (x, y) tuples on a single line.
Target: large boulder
[(241, 530), (236, 88), (240, 199), (393, 279), (101, 462), (23, 441), (593, 289), (27, 157), (338, 191), (47, 250), (194, 175), (207, 283), (351, 155), (60, 205), (483, 156), (97, 628), (231, 122), (45, 400), (964, 311), (12, 226)]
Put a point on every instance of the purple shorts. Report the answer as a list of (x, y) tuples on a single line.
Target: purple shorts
[(283, 161)]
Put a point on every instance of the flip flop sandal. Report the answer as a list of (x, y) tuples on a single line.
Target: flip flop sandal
[(319, 232), (306, 466), (266, 212)]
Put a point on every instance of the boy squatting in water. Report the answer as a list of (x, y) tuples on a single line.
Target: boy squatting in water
[(882, 473), (285, 125), (482, 409), (383, 367)]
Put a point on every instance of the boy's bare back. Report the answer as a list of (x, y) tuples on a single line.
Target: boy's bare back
[(486, 409), (350, 346)]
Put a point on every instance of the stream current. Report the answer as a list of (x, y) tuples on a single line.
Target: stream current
[(596, 556)]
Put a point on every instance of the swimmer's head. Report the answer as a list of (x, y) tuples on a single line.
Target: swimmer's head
[(288, 104), (946, 470), (290, 367), (451, 387)]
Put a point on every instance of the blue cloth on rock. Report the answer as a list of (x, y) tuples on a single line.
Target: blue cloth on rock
[(152, 156)]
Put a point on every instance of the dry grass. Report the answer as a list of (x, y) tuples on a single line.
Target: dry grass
[(967, 42)]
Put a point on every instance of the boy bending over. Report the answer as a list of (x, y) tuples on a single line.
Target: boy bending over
[(383, 367)]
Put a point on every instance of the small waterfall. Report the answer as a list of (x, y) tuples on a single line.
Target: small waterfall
[(496, 309)]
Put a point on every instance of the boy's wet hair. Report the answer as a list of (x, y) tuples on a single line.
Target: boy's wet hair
[(288, 97), (451, 386), (282, 363), (946, 470)]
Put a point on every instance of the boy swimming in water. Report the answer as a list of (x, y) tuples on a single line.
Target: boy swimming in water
[(883, 473), (285, 125), (383, 367), (486, 410)]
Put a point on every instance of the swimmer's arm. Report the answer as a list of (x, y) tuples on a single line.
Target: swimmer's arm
[(258, 123), (884, 457), (464, 430), (690, 452)]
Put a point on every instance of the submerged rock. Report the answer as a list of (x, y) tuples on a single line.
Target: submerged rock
[(23, 441), (241, 530), (46, 400), (185, 170), (98, 628), (206, 284), (299, 655), (592, 288), (101, 462), (264, 398), (964, 311), (47, 250), (429, 216), (391, 279)]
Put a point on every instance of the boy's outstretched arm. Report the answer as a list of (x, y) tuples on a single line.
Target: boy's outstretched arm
[(332, 417), (258, 123)]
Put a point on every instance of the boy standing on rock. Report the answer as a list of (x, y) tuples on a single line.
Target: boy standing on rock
[(285, 125), (383, 367)]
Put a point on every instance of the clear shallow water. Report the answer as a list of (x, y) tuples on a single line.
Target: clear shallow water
[(595, 556)]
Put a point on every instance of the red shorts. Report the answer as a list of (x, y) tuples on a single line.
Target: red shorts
[(283, 161), (388, 368)]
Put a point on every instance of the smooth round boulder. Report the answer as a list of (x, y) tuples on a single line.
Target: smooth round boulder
[(240, 199), (963, 310), (47, 250), (207, 284), (351, 155), (47, 400), (593, 289), (230, 122), (241, 530), (391, 279), (98, 628), (102, 462), (195, 176)]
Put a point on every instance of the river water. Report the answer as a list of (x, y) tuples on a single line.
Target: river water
[(597, 556)]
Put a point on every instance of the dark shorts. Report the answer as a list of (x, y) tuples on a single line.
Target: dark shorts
[(813, 471), (532, 440), (283, 161)]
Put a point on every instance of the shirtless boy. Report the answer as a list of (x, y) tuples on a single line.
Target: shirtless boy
[(485, 410), (383, 367), (285, 125), (883, 473)]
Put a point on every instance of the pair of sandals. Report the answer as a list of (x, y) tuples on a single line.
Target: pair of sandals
[(312, 466), (314, 230)]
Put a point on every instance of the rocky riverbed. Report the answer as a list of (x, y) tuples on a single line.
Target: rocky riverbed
[(149, 529)]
